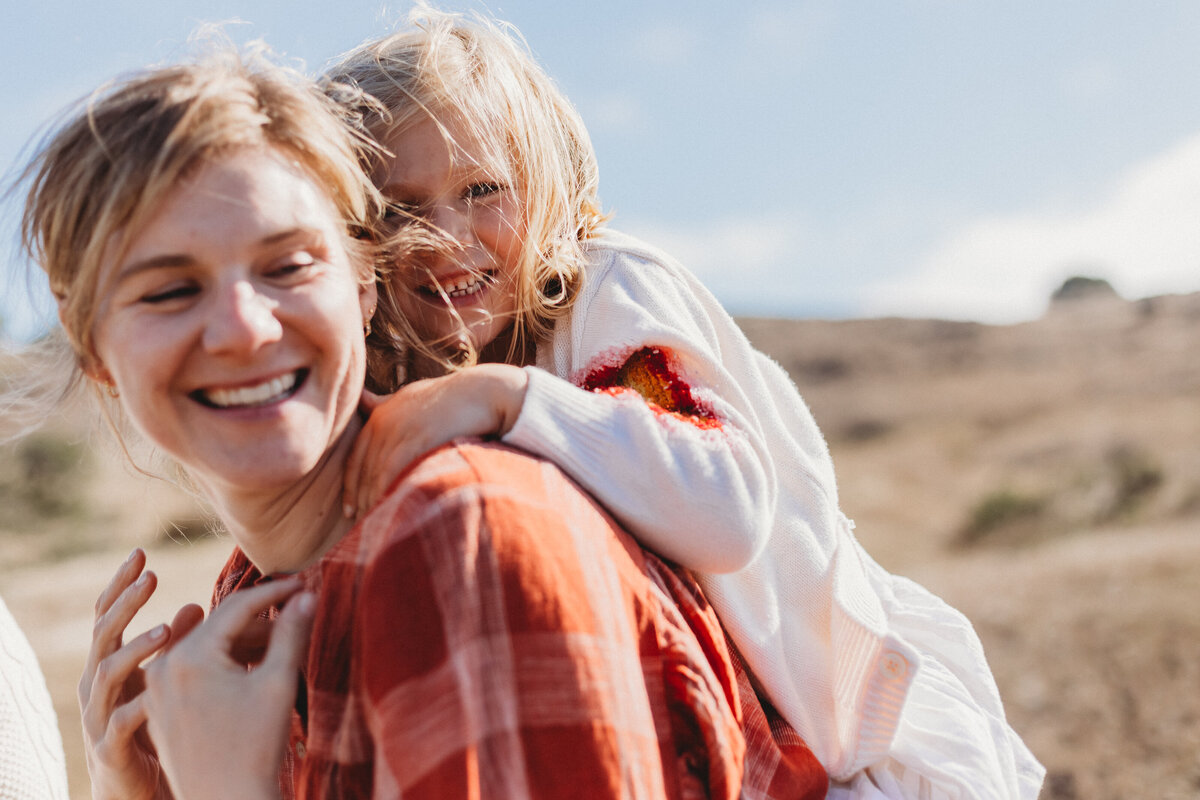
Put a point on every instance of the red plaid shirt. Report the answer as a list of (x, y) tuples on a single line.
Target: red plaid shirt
[(488, 631)]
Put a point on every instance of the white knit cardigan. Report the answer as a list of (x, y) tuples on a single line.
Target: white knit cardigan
[(886, 683), (32, 766)]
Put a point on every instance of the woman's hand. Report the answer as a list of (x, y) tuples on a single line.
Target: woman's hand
[(121, 761), (220, 729), (483, 400)]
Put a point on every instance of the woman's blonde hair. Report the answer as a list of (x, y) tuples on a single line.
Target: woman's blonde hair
[(478, 76), (96, 181)]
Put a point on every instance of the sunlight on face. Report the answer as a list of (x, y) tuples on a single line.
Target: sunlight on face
[(232, 326)]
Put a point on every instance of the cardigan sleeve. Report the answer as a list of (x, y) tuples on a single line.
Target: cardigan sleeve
[(637, 406), (31, 753)]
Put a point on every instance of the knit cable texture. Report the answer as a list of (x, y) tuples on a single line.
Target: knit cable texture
[(32, 766)]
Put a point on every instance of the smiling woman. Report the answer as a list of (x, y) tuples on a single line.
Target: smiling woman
[(485, 628), (222, 322)]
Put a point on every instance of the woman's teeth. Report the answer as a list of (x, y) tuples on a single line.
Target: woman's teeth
[(248, 396)]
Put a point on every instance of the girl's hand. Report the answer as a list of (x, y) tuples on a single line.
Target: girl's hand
[(221, 729), (121, 761), (483, 400)]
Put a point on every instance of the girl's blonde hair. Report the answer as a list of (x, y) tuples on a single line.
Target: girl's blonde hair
[(97, 180), (478, 75)]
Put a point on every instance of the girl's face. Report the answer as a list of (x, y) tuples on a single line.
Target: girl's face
[(463, 197), (232, 326)]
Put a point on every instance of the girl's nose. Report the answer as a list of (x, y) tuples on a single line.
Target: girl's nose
[(242, 321), (452, 221)]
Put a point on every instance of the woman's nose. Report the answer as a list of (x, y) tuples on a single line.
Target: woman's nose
[(243, 320)]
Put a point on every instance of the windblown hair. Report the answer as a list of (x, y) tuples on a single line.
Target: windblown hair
[(477, 75), (96, 182)]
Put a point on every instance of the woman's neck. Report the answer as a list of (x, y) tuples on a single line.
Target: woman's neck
[(285, 531)]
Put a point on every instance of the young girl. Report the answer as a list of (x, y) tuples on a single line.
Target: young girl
[(607, 357)]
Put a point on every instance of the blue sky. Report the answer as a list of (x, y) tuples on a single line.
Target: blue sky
[(808, 159)]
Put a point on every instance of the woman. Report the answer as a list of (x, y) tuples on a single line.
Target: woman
[(485, 629)]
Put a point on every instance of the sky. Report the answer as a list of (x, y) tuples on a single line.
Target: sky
[(823, 159)]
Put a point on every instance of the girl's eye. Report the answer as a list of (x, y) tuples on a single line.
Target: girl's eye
[(478, 191), (398, 214)]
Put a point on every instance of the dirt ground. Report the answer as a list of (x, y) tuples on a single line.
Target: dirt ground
[(1085, 596)]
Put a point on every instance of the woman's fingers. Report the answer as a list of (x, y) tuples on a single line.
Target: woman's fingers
[(109, 629), (289, 638), (125, 575), (111, 677), (240, 610), (110, 626), (125, 721), (185, 621)]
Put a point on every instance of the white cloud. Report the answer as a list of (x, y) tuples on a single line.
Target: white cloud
[(1143, 236)]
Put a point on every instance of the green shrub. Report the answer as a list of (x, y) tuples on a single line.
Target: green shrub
[(42, 479), (998, 510)]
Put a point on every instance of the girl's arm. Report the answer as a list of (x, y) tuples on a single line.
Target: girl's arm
[(478, 401), (651, 422), (650, 399)]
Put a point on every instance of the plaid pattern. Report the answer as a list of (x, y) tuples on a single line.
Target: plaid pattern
[(487, 631)]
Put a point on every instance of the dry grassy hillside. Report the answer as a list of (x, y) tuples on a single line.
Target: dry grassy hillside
[(1043, 477)]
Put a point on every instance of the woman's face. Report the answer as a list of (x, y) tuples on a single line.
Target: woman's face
[(465, 198), (232, 326)]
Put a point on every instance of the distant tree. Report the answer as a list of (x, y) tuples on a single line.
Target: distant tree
[(1079, 287)]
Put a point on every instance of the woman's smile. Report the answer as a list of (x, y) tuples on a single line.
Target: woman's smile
[(232, 325), (265, 393)]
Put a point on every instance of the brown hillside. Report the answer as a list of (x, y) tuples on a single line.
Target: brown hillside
[(1042, 477)]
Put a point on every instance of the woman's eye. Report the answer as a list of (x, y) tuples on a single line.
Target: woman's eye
[(169, 294), (478, 191), (293, 265)]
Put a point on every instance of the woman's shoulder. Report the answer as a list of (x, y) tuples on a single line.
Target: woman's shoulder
[(464, 473)]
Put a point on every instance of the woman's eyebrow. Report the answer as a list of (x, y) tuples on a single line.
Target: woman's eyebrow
[(164, 261), (176, 260)]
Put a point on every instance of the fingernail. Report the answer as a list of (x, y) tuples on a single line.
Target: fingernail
[(348, 511), (132, 555), (158, 632), (144, 578)]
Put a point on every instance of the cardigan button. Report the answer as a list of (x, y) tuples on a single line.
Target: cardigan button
[(893, 665)]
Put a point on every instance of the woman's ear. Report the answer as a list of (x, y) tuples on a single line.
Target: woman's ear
[(95, 370), (368, 296), (89, 363)]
